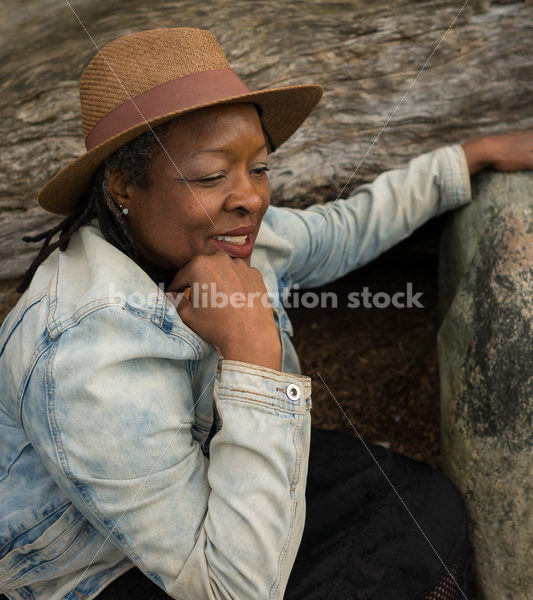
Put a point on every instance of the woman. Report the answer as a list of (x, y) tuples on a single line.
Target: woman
[(153, 411)]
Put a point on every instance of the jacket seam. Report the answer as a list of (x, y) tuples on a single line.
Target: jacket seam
[(25, 592), (94, 306), (34, 359), (11, 464), (265, 374), (37, 567), (19, 321), (36, 523), (258, 402), (63, 461), (76, 542), (224, 389), (298, 463), (294, 504)]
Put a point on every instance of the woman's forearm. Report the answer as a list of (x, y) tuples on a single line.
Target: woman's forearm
[(257, 476), (506, 152)]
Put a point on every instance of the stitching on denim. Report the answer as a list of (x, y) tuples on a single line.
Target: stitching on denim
[(63, 462), (97, 305), (267, 375), (94, 589), (56, 327), (286, 403), (36, 567), (283, 553), (294, 505), (285, 400), (19, 321), (196, 341), (74, 319), (12, 462), (454, 188), (228, 391), (49, 387), (52, 302), (159, 310), (34, 359), (193, 369), (254, 371), (253, 397), (447, 191), (71, 549), (282, 408), (466, 174), (298, 464), (25, 592), (35, 524)]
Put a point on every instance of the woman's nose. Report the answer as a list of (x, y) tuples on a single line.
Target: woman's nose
[(247, 195)]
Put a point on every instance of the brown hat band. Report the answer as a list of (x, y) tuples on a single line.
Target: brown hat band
[(178, 94)]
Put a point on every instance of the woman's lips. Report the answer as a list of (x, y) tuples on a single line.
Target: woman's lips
[(235, 250)]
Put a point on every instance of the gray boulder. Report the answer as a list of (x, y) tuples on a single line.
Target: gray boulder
[(485, 347)]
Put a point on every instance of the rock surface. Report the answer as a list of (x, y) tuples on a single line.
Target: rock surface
[(486, 376), (367, 54)]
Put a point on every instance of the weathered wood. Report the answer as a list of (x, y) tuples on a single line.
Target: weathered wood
[(366, 54)]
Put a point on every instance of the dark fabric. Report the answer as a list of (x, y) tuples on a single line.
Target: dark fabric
[(360, 542)]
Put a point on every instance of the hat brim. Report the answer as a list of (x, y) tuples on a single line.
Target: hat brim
[(283, 110)]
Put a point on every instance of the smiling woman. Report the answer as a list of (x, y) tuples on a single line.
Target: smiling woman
[(215, 185), (140, 427)]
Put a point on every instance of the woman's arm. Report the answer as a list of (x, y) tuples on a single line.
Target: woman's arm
[(331, 239), (506, 152), (110, 409)]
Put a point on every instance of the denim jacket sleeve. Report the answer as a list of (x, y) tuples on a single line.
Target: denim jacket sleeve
[(329, 240), (118, 441)]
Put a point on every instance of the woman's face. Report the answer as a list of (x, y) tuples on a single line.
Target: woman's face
[(212, 184)]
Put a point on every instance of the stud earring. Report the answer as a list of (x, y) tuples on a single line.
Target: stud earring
[(124, 210)]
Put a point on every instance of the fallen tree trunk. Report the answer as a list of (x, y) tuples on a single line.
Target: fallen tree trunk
[(368, 56)]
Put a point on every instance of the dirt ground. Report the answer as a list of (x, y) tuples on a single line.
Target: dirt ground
[(380, 364)]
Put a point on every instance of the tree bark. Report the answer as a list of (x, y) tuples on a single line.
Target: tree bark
[(400, 78)]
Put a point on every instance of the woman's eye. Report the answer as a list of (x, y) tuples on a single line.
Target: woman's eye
[(208, 179), (211, 177), (261, 170)]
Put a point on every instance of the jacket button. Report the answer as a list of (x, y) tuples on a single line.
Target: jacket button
[(293, 392)]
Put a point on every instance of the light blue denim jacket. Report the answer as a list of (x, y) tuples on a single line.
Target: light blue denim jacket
[(108, 399)]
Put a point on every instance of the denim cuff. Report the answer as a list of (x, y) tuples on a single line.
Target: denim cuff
[(455, 178), (244, 382)]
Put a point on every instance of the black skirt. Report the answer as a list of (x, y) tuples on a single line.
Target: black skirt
[(398, 532), (365, 538)]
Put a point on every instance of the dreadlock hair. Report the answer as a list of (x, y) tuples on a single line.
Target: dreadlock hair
[(133, 159)]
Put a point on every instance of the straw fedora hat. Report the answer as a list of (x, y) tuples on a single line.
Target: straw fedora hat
[(146, 78)]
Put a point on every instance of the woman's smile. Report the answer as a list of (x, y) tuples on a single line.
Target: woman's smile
[(237, 243)]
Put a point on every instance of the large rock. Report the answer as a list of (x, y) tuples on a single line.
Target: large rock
[(486, 373), (368, 55)]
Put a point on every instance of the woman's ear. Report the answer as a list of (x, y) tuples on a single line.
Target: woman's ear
[(118, 187)]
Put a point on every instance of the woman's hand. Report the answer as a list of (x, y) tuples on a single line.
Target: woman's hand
[(506, 152), (229, 307)]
